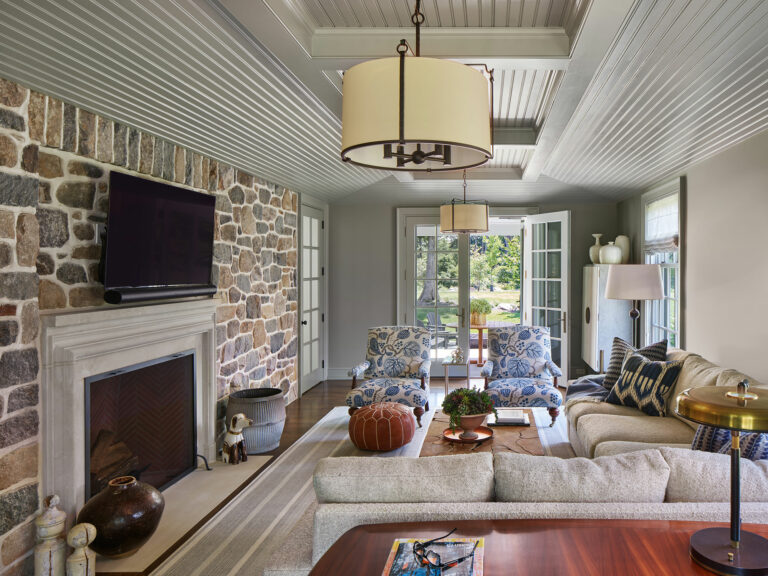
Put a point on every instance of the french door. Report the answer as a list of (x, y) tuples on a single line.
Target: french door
[(546, 250), (436, 285), (312, 317), (441, 273)]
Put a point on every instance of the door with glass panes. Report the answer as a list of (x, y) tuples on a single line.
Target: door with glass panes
[(312, 313), (436, 286), (546, 249)]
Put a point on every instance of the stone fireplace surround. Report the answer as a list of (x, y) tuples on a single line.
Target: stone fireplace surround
[(77, 345)]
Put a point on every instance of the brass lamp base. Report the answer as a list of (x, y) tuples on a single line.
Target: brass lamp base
[(711, 548)]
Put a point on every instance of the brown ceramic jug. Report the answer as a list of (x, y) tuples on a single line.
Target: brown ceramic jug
[(125, 514)]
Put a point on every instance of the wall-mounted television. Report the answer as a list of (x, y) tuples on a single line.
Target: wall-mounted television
[(159, 241)]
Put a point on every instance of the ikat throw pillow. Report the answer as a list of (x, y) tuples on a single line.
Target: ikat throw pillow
[(754, 445), (645, 384), (656, 352)]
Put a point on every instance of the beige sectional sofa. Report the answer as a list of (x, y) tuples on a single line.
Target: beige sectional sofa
[(664, 484), (597, 428)]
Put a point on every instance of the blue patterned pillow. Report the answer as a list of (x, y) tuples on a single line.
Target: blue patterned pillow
[(711, 439), (754, 445), (645, 384)]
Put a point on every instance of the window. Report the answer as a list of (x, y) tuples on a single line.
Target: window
[(661, 245)]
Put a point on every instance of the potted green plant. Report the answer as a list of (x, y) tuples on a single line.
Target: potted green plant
[(467, 408), (478, 308)]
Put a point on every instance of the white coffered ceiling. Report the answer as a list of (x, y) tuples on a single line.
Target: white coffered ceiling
[(593, 99)]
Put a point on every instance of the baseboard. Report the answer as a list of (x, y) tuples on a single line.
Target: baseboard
[(338, 374)]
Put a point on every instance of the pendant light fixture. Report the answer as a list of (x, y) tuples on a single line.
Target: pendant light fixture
[(415, 113), (467, 217)]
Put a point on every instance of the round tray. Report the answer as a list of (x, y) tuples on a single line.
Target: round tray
[(483, 433)]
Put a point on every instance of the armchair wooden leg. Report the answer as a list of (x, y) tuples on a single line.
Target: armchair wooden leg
[(352, 410), (426, 407), (554, 412), (418, 412)]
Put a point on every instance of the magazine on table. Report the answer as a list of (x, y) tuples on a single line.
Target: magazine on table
[(402, 562)]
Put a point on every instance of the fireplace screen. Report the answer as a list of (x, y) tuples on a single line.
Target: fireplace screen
[(140, 421)]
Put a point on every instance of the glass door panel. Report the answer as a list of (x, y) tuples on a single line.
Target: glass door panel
[(311, 298), (546, 253), (436, 287)]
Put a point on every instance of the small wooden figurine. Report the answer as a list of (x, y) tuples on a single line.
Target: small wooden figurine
[(234, 444), (50, 552), (82, 562)]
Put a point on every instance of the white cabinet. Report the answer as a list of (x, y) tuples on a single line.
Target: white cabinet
[(602, 319)]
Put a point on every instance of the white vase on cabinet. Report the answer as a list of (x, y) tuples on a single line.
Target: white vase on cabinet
[(594, 250), (623, 243), (610, 254)]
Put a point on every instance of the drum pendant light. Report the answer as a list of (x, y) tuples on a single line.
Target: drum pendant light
[(416, 114), (466, 217)]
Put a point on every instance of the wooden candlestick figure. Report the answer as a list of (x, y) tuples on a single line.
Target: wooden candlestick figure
[(82, 562), (50, 552)]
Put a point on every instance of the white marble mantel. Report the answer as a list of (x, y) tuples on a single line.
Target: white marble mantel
[(76, 345)]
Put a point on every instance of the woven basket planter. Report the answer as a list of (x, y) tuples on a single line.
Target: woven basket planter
[(266, 407)]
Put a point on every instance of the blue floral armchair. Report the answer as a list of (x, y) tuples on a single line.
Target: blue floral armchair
[(396, 369), (520, 371)]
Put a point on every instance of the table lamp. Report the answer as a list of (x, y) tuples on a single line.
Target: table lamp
[(634, 282), (729, 550)]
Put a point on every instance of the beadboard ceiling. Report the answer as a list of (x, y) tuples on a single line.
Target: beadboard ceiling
[(593, 99)]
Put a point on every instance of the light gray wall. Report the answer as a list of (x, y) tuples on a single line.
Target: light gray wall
[(725, 267), (362, 286)]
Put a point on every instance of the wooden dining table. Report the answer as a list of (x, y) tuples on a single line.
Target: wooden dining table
[(551, 547)]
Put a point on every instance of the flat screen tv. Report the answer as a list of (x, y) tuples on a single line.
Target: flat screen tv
[(159, 241)]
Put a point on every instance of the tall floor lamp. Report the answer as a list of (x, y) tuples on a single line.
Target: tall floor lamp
[(634, 282)]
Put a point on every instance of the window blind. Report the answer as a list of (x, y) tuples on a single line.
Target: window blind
[(662, 225)]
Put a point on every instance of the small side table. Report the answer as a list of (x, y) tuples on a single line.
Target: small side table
[(447, 363)]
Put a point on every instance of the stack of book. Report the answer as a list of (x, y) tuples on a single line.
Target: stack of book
[(509, 417)]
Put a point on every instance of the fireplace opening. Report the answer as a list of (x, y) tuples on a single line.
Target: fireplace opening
[(140, 421)]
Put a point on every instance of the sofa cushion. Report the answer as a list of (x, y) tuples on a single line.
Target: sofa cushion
[(656, 352), (696, 371), (581, 406), (705, 477), (730, 377), (634, 477), (454, 478), (594, 429), (645, 384), (619, 447)]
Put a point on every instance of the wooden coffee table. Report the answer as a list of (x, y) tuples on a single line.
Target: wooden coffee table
[(518, 439), (536, 547)]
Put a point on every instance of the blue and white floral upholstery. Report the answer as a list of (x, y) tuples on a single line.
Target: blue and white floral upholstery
[(520, 352), (406, 392), (396, 369), (519, 371)]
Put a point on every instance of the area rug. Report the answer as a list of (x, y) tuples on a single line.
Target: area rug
[(241, 537)]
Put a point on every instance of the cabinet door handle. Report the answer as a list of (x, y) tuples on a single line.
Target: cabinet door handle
[(587, 315), (303, 322)]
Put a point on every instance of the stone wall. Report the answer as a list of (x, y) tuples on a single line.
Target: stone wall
[(55, 161)]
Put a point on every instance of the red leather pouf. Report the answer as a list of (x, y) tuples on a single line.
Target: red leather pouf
[(382, 426)]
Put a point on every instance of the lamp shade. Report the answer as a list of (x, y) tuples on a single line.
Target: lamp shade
[(444, 104), (634, 282), (464, 217)]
